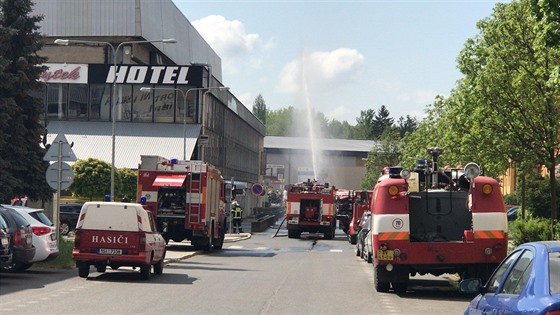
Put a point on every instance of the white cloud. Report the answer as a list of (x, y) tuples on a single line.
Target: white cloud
[(236, 47), (322, 70)]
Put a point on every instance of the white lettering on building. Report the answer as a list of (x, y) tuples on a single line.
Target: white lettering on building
[(148, 74)]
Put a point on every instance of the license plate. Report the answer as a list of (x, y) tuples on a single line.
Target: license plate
[(385, 255), (5, 242), (28, 240), (109, 251)]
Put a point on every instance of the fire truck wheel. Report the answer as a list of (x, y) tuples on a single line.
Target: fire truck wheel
[(83, 269), (294, 234), (145, 271), (352, 239), (220, 242), (380, 284), (399, 287)]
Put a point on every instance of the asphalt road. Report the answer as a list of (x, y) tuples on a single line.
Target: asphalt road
[(259, 275)]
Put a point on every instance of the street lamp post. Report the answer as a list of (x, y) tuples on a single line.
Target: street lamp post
[(185, 94), (66, 42)]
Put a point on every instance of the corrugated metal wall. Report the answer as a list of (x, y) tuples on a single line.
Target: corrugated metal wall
[(147, 19)]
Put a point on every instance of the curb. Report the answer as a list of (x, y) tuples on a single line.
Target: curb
[(233, 238), (237, 237)]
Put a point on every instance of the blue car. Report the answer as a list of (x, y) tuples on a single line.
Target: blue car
[(526, 282)]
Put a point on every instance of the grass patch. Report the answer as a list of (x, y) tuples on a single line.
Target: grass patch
[(64, 259)]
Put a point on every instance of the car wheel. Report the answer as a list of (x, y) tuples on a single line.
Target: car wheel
[(158, 267), (64, 228), (83, 270), (357, 251), (145, 272), (101, 268)]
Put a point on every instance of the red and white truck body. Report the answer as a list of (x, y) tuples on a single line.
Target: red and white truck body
[(360, 203), (188, 198), (117, 234), (311, 208), (436, 221)]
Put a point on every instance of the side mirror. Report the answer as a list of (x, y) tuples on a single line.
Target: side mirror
[(471, 286)]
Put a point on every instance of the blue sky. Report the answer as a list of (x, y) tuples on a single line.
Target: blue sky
[(351, 55)]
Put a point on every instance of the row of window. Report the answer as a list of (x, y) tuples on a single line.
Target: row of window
[(94, 102)]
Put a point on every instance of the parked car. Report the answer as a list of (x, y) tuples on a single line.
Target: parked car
[(118, 234), (526, 282), (21, 239), (5, 252), (69, 213), (512, 213), (44, 234), (367, 252), (364, 229)]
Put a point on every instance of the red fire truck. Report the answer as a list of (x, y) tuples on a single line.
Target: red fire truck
[(311, 208), (360, 202), (436, 221), (187, 197)]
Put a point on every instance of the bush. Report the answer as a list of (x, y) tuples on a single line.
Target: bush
[(531, 230)]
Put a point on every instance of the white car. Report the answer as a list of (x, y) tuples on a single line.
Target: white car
[(44, 235)]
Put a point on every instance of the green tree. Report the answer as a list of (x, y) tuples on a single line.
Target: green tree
[(259, 108), (279, 121), (22, 170), (92, 178), (510, 75), (406, 125), (364, 125), (381, 122), (385, 153)]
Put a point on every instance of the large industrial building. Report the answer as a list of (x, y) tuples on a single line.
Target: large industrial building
[(134, 77), (340, 162)]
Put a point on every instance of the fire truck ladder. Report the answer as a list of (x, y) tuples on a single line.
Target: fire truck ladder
[(195, 193)]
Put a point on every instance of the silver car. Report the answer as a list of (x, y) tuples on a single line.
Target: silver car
[(44, 235)]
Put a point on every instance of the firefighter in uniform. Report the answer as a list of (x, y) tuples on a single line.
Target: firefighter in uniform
[(237, 215)]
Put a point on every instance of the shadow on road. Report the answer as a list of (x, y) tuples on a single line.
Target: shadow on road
[(33, 278)]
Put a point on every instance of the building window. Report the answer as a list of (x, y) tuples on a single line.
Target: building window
[(164, 105), (78, 101), (56, 101), (124, 102), (100, 108), (142, 106), (191, 105)]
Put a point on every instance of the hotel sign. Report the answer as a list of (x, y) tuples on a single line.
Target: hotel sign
[(125, 74), (65, 73), (146, 74)]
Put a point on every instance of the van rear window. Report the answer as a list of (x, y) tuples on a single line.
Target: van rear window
[(109, 217)]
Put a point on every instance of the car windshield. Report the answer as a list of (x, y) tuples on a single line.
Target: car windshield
[(554, 263), (41, 217)]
